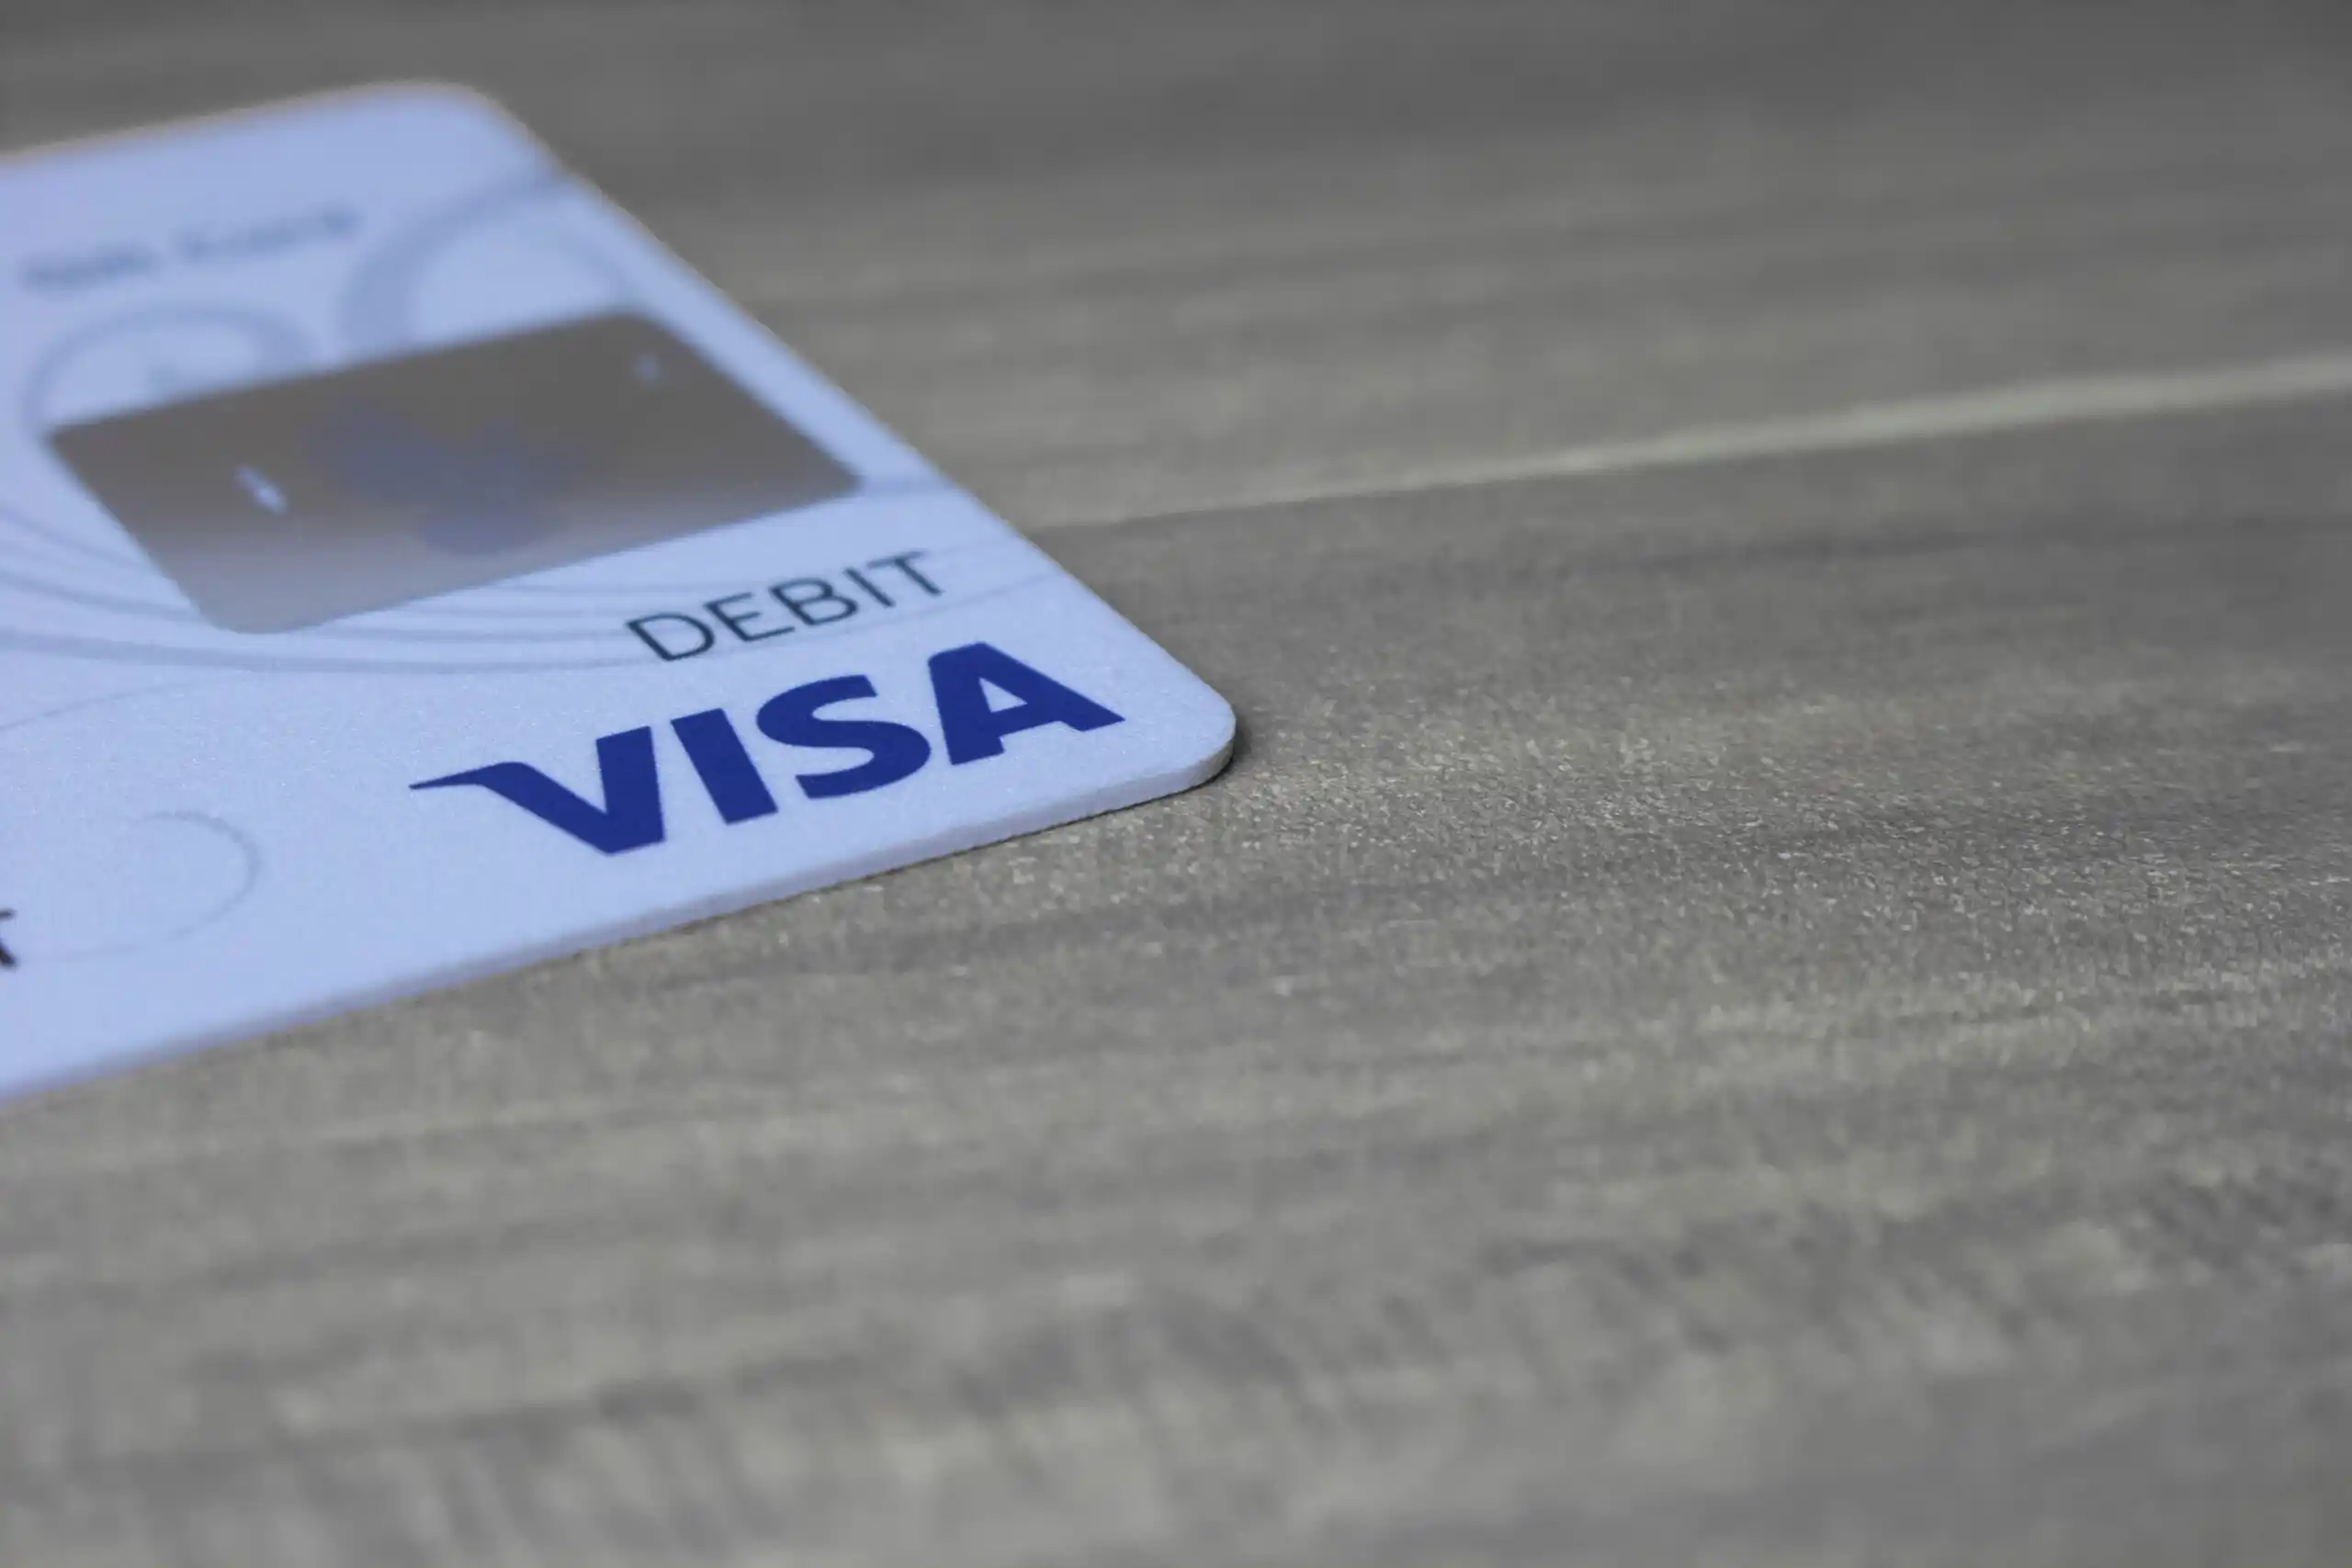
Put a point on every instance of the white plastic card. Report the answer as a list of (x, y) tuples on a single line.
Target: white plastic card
[(409, 569)]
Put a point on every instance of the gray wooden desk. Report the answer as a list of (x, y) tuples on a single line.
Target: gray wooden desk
[(1765, 988)]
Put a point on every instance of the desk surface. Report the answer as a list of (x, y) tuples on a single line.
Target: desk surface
[(1770, 983)]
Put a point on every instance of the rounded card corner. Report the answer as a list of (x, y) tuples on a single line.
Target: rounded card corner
[(1220, 737), (438, 97)]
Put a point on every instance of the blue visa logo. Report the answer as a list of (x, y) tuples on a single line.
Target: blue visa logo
[(628, 816)]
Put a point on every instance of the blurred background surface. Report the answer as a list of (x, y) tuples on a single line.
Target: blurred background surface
[(1769, 985)]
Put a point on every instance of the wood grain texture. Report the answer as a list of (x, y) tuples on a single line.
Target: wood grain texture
[(1789, 1012)]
